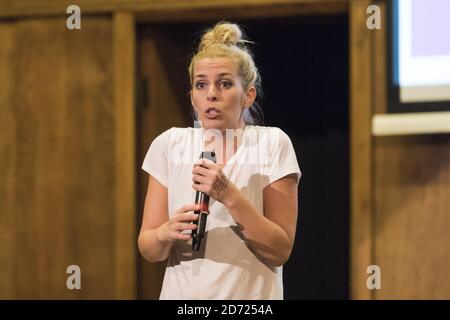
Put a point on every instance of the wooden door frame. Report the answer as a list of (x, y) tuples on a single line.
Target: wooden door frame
[(124, 52)]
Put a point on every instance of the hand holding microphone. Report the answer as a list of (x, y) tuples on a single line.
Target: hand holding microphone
[(201, 199), (173, 229), (209, 181)]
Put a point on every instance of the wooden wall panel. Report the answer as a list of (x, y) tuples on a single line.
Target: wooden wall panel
[(91, 156), (412, 216), (64, 153), (7, 162), (381, 73), (39, 108), (361, 109), (411, 202), (181, 10), (125, 147)]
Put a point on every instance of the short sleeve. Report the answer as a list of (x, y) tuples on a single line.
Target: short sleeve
[(283, 160), (156, 159)]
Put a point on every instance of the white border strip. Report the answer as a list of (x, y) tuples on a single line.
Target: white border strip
[(411, 123), (425, 93)]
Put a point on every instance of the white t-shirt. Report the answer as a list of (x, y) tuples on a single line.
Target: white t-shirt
[(225, 267)]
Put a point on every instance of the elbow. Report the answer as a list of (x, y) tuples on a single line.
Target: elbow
[(275, 255), (282, 254), (275, 262), (146, 251), (279, 260), (142, 248)]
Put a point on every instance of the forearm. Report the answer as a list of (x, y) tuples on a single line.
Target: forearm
[(151, 248), (267, 238)]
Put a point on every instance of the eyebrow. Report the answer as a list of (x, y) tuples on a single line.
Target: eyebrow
[(220, 74)]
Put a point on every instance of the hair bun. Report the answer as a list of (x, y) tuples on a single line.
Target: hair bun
[(223, 33)]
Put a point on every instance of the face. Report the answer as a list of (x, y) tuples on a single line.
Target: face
[(218, 95)]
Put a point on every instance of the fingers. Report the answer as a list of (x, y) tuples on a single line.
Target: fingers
[(188, 207), (186, 217), (185, 226), (200, 179), (202, 188), (178, 231), (183, 214), (199, 170), (178, 227), (204, 163), (182, 236)]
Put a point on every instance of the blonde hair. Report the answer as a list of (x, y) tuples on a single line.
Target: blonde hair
[(227, 40)]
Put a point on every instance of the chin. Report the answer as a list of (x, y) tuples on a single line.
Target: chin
[(212, 124)]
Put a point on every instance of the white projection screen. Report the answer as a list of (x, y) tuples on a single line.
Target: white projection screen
[(420, 53)]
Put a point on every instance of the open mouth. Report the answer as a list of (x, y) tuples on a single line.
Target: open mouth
[(212, 112)]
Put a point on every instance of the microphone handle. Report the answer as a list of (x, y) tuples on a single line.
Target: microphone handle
[(202, 199), (198, 234)]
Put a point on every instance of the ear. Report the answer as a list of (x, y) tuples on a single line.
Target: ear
[(250, 97)]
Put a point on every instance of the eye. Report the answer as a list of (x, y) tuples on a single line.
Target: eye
[(199, 85), (227, 84)]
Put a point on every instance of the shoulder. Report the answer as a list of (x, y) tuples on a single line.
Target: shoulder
[(276, 136), (175, 138), (173, 133), (265, 129), (162, 140), (164, 135)]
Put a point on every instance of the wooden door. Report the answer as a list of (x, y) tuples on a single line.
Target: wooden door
[(163, 102), (57, 163)]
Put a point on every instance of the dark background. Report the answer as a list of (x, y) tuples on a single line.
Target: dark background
[(303, 62)]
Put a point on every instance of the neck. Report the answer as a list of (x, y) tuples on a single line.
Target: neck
[(226, 144)]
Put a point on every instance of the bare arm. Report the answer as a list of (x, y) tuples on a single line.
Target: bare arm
[(158, 232), (270, 233)]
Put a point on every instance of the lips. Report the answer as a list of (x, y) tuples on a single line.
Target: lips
[(212, 113)]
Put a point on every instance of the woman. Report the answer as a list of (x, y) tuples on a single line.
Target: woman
[(252, 187)]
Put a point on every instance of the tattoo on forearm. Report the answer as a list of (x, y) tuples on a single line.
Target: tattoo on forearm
[(221, 184)]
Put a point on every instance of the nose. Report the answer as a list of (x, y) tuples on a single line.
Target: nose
[(212, 96)]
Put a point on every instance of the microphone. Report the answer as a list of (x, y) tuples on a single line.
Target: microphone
[(202, 199)]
